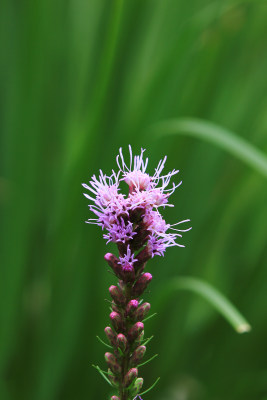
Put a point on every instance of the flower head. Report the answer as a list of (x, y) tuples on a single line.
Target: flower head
[(134, 221)]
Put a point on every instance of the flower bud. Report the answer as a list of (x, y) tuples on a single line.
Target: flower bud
[(128, 273), (117, 321), (114, 398), (140, 338), (131, 375), (141, 312), (142, 283), (113, 363), (137, 386), (122, 342), (142, 257), (135, 331), (113, 263), (131, 307), (110, 335), (117, 295), (137, 355)]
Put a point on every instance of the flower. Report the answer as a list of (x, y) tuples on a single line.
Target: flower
[(127, 260), (134, 221)]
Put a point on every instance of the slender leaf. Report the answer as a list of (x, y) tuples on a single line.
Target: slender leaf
[(147, 361), (102, 341), (102, 373), (217, 135), (214, 297), (150, 388), (147, 341), (149, 317)]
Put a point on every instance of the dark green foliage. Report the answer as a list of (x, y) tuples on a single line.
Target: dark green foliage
[(79, 79)]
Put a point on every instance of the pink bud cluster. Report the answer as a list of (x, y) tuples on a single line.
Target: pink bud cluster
[(135, 224)]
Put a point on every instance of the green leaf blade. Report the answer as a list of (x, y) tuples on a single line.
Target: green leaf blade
[(215, 298), (215, 134)]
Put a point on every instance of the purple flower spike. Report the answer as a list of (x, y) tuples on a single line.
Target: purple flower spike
[(134, 223)]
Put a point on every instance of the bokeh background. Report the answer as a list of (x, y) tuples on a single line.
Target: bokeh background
[(79, 79)]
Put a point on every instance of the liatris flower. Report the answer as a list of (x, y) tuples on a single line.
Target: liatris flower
[(135, 224)]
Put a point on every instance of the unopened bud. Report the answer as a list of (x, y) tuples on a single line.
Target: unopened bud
[(142, 257), (128, 273), (137, 355), (131, 375), (137, 386), (140, 338), (122, 342), (141, 284), (113, 263), (131, 307), (117, 321), (142, 311), (117, 295), (110, 335), (115, 398), (135, 331), (113, 363)]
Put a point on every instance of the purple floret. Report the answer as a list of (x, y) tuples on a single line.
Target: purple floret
[(123, 217)]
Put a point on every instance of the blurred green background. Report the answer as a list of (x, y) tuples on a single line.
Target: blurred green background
[(79, 79)]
